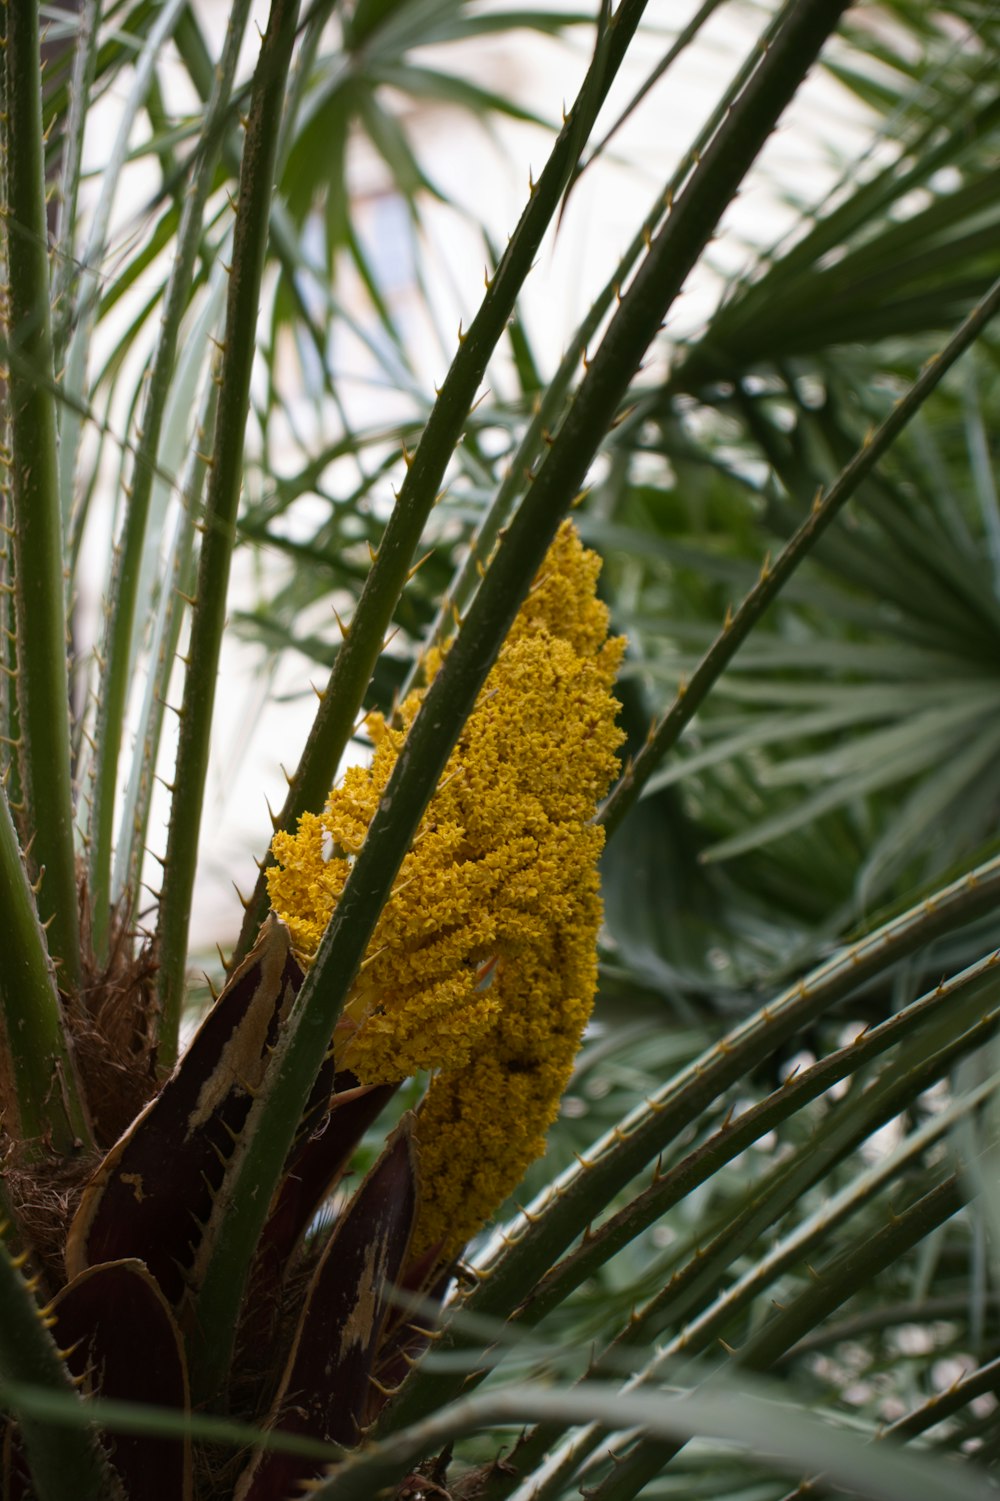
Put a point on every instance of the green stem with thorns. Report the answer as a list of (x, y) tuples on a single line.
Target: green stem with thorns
[(774, 575), (45, 1111), (42, 678)]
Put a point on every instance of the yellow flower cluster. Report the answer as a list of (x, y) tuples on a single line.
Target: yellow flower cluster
[(482, 966)]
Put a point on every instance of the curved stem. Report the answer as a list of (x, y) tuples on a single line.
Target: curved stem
[(775, 575), (938, 1407), (833, 1285), (727, 1413)]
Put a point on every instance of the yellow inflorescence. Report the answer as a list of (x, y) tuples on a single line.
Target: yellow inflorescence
[(504, 869)]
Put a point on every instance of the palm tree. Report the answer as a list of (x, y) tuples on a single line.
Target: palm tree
[(758, 1250)]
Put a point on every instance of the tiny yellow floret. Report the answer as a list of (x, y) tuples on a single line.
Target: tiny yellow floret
[(482, 967)]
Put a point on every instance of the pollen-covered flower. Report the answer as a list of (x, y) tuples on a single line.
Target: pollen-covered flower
[(481, 1126), (482, 965)]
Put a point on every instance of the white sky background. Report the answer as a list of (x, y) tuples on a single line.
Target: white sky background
[(825, 130)]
